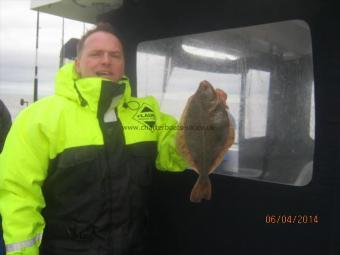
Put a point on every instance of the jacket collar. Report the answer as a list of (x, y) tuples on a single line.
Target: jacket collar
[(86, 91)]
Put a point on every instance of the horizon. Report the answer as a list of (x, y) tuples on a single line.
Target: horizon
[(18, 48)]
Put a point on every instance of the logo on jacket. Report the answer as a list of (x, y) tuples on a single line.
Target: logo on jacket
[(145, 116)]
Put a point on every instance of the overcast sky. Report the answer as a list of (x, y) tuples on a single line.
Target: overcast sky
[(17, 48)]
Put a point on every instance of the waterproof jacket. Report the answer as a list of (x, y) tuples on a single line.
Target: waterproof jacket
[(76, 168)]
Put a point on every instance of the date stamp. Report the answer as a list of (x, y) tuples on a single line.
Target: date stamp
[(291, 219)]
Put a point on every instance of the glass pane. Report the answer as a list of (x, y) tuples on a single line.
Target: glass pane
[(267, 73)]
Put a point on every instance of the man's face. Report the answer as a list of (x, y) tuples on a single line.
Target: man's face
[(102, 56)]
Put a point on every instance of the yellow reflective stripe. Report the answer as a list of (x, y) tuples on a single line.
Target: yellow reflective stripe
[(24, 244)]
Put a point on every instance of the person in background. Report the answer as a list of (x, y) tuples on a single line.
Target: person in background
[(76, 168), (5, 124)]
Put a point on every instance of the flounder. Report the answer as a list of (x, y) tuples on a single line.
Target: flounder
[(205, 135)]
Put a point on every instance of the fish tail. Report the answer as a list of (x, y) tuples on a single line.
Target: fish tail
[(201, 190)]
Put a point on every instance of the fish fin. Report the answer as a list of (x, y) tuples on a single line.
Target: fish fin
[(231, 134), (201, 190)]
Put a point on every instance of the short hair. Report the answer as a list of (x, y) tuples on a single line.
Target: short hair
[(100, 27)]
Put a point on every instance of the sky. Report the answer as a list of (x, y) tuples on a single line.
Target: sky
[(17, 50)]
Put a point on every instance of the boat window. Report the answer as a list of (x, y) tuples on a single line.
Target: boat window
[(267, 72)]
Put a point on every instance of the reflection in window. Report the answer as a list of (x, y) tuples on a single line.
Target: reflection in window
[(312, 116), (267, 73), (256, 103), (150, 69)]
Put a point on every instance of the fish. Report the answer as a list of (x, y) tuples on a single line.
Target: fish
[(206, 133)]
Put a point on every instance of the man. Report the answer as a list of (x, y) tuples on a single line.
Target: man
[(76, 168)]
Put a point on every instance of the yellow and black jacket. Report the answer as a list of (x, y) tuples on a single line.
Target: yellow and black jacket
[(76, 167)]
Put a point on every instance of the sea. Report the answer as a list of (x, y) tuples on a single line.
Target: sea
[(18, 95)]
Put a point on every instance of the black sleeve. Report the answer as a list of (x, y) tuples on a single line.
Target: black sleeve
[(5, 123)]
